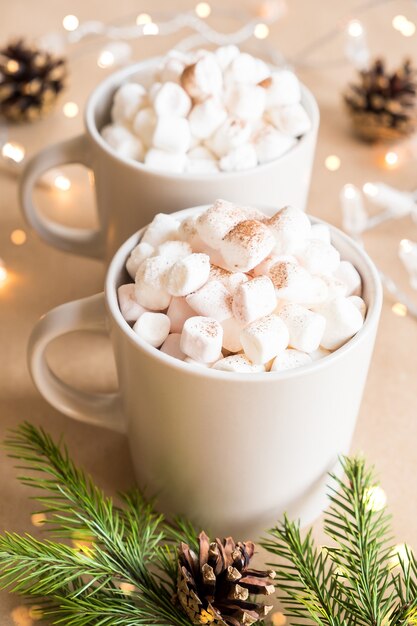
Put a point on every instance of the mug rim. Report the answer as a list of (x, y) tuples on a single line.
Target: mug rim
[(116, 78), (118, 261)]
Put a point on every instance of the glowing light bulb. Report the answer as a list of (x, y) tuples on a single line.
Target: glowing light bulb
[(398, 21), (399, 554), (62, 183), (3, 274), (261, 31), (278, 618), (332, 162), (70, 22), (127, 588), (408, 29), (375, 498), (143, 18), (36, 613), (12, 66), (38, 519), (407, 251), (203, 9), (399, 309), (105, 59), (355, 28), (391, 159), (151, 29), (370, 190), (70, 109), (18, 237), (13, 151), (355, 217)]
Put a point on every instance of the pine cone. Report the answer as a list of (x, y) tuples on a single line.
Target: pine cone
[(214, 586), (30, 81), (383, 106)]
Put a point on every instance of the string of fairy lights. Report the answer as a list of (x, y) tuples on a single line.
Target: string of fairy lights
[(111, 44)]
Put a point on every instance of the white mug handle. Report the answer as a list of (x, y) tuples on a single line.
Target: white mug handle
[(82, 241), (101, 409)]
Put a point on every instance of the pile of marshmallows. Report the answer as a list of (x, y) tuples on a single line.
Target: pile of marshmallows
[(234, 290), (208, 111)]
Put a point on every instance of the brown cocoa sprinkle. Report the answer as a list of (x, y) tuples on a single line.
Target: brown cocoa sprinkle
[(210, 329), (279, 274), (247, 233), (266, 82)]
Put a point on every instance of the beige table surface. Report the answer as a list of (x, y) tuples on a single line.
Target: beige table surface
[(41, 277)]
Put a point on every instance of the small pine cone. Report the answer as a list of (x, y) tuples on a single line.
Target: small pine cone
[(214, 586), (383, 106), (30, 81)]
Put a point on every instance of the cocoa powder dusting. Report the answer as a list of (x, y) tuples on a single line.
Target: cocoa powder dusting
[(279, 274)]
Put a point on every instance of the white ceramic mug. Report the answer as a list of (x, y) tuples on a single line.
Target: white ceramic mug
[(231, 451), (129, 194)]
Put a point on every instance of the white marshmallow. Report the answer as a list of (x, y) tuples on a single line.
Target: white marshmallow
[(284, 89), (214, 223), (139, 253), (178, 312), (123, 142), (231, 280), (171, 69), (290, 359), (225, 55), (174, 250), (343, 321), (130, 308), (188, 274), (254, 299), (246, 245), (170, 100), (335, 287), (264, 338), (359, 304), (291, 120), (201, 339), (204, 78), (245, 101), (237, 363), (172, 347), (245, 68), (206, 117), (201, 152), (230, 135), (188, 232), (305, 327), (270, 261), (291, 227), (152, 328), (319, 257), (173, 162), (231, 335), (320, 231), (144, 125), (162, 228), (320, 353), (172, 134), (242, 158), (293, 283), (348, 274), (150, 280), (127, 101), (270, 143), (211, 300)]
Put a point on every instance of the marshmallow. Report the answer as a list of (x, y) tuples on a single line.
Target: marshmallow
[(139, 253), (203, 78), (217, 221), (188, 274), (242, 158), (246, 101), (293, 283), (230, 135), (130, 308), (174, 250), (162, 228), (201, 339), (231, 280), (270, 261), (343, 320), (349, 275), (284, 89), (245, 68), (305, 327), (225, 55), (231, 335), (172, 134), (150, 280), (173, 162), (188, 232), (320, 353), (270, 143), (254, 299), (171, 69), (320, 231), (206, 117), (128, 99), (178, 312), (359, 304), (172, 347), (335, 287), (211, 300), (319, 257), (170, 100), (237, 363), (144, 125), (290, 359), (264, 338), (291, 227), (123, 142), (291, 120), (152, 328), (246, 245)]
